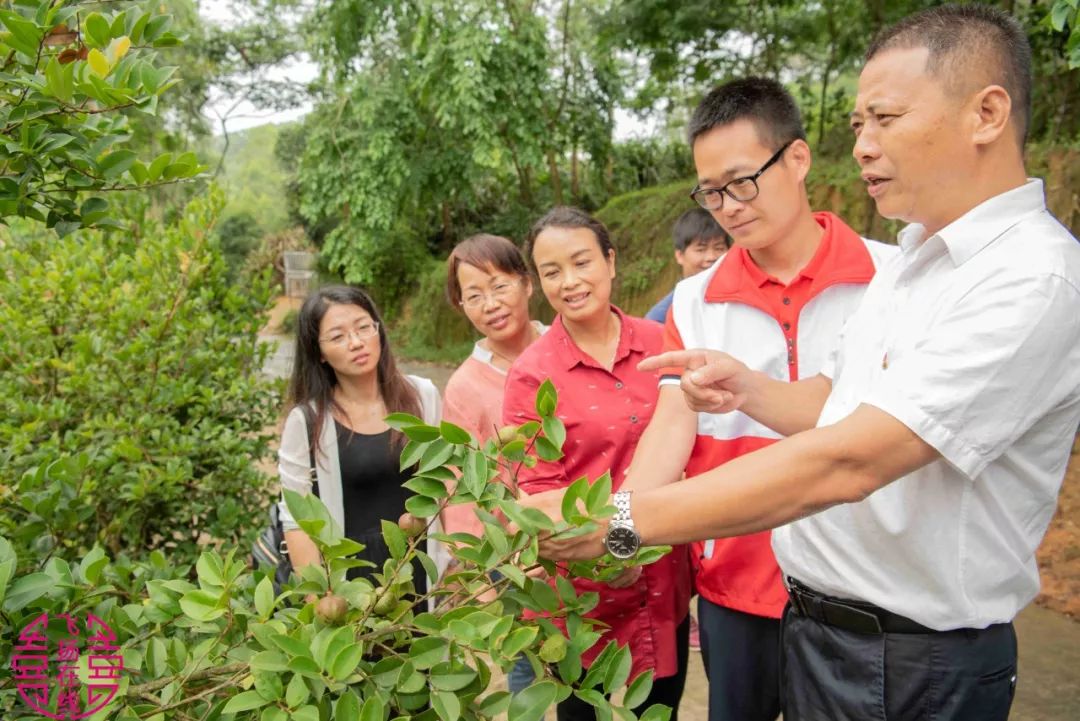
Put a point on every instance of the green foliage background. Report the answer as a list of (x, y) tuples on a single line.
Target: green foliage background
[(135, 351)]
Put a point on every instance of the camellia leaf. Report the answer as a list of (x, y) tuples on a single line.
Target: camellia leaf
[(437, 454), (91, 565), (346, 661), (454, 434), (448, 676), (210, 570), (553, 649), (27, 589), (97, 30), (531, 703), (264, 598), (201, 606), (426, 652), (395, 538), (273, 713), (245, 701), (518, 641), (348, 706), (306, 713), (116, 163), (547, 398), (639, 690), (576, 492), (373, 710), (401, 421), (598, 495), (118, 48), (656, 712), (98, 63), (297, 692), (422, 506), (555, 431), (619, 670), (421, 433), (446, 705), (546, 450)]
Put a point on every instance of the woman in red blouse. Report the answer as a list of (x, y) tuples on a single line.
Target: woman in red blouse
[(591, 354)]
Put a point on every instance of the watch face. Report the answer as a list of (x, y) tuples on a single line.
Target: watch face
[(622, 542)]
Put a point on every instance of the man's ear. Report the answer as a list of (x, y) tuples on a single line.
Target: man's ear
[(800, 157), (990, 110)]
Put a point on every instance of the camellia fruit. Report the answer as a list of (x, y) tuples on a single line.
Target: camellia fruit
[(509, 434), (412, 525), (331, 609)]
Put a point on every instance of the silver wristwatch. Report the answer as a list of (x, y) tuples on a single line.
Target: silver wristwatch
[(621, 540)]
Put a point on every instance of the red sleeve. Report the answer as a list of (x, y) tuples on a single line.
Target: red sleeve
[(519, 406), (672, 341)]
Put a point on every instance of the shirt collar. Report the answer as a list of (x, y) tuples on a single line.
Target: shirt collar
[(571, 355), (485, 356), (841, 257), (974, 230)]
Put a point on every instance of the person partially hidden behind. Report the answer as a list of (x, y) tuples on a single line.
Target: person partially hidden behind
[(699, 243)]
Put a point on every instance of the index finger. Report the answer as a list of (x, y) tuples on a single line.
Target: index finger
[(689, 359)]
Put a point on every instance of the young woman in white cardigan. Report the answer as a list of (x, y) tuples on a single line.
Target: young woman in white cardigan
[(344, 372)]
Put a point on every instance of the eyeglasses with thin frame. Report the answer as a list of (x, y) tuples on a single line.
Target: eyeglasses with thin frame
[(742, 189), (364, 331), (501, 292)]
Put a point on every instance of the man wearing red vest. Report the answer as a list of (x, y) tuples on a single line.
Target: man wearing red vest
[(777, 300)]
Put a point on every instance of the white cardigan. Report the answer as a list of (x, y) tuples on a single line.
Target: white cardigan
[(294, 463)]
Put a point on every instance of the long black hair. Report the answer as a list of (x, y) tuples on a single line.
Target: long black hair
[(313, 381)]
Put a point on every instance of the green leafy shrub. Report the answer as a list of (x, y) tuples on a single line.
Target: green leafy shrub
[(70, 75), (138, 354), (219, 644)]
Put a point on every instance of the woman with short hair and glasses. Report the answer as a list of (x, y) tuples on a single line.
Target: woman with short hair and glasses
[(345, 376), (488, 280)]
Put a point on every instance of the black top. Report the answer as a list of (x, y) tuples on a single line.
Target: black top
[(371, 491)]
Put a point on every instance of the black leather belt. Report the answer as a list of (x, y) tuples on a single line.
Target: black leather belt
[(855, 616)]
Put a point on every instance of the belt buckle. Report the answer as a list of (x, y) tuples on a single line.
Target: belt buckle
[(796, 595)]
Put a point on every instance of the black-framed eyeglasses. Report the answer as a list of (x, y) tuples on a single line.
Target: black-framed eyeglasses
[(742, 189)]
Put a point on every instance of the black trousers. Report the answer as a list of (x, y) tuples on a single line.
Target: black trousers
[(741, 653), (667, 691), (831, 674)]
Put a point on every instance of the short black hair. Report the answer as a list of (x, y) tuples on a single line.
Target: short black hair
[(967, 44), (764, 102), (565, 216), (694, 224)]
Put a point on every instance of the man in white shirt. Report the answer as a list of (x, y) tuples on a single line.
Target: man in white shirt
[(924, 462)]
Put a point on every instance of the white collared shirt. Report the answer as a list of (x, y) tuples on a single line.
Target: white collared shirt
[(971, 339)]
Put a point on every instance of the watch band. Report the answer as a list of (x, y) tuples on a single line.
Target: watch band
[(621, 499)]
